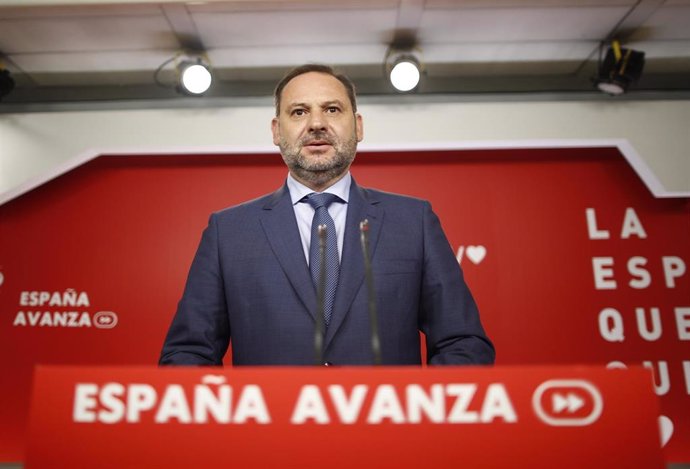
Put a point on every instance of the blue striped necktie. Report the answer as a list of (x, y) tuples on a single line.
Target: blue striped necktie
[(320, 203)]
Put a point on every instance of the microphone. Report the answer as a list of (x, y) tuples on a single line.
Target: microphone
[(320, 330), (373, 315)]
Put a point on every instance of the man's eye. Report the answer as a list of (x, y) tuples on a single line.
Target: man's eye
[(298, 112), (332, 109)]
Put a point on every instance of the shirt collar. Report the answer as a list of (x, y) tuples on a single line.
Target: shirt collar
[(299, 190)]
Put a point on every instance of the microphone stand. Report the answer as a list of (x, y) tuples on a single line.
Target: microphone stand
[(320, 330), (373, 315)]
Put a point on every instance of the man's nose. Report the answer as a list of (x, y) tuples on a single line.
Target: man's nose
[(317, 122)]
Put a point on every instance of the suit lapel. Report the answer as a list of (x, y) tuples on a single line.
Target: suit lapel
[(279, 224), (360, 207)]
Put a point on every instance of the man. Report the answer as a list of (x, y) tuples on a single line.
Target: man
[(252, 283)]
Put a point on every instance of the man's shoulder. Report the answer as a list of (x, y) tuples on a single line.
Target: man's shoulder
[(392, 198), (251, 206)]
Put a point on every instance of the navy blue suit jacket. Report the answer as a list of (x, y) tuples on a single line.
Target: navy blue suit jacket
[(249, 285)]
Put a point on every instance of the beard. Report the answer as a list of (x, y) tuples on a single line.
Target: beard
[(319, 171)]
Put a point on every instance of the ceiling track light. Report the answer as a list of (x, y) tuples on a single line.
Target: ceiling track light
[(192, 72), (403, 69), (619, 69), (194, 76)]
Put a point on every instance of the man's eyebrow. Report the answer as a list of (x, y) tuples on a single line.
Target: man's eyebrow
[(294, 105), (332, 102), (325, 104)]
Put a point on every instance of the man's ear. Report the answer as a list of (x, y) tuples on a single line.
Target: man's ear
[(359, 127), (275, 130)]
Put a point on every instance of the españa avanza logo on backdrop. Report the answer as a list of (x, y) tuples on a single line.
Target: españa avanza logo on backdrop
[(68, 308)]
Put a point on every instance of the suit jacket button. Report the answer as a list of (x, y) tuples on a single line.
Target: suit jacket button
[(327, 363)]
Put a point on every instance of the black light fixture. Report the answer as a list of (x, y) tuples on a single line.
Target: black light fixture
[(6, 82), (403, 68), (619, 69)]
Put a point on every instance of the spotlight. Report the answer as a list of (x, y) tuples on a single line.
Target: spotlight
[(192, 73), (6, 83), (404, 70), (619, 69), (194, 76)]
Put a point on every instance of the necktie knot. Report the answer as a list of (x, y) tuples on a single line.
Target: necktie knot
[(324, 199)]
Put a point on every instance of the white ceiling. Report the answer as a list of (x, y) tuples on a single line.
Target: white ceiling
[(97, 49)]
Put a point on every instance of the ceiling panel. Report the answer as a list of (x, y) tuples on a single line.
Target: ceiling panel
[(295, 28), (75, 80), (285, 56), (431, 4), (502, 69), (48, 35), (281, 6), (519, 24), (101, 61), (508, 51), (667, 23), (83, 11)]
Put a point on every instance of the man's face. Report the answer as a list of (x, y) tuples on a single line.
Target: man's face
[(317, 130)]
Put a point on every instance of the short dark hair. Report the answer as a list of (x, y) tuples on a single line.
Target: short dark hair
[(319, 68)]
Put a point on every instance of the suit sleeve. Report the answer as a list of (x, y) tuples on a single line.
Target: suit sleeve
[(449, 316), (200, 331)]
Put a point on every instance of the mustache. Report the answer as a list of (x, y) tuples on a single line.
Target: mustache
[(317, 135)]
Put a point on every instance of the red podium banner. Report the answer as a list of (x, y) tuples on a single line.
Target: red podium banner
[(536, 417)]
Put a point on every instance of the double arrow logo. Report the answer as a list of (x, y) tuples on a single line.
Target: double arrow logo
[(570, 402), (561, 402)]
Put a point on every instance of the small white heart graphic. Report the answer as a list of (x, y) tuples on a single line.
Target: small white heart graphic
[(476, 253), (666, 429)]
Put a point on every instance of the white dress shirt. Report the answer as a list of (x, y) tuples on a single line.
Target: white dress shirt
[(304, 212)]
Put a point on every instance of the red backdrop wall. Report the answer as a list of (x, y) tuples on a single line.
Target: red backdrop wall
[(93, 263)]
